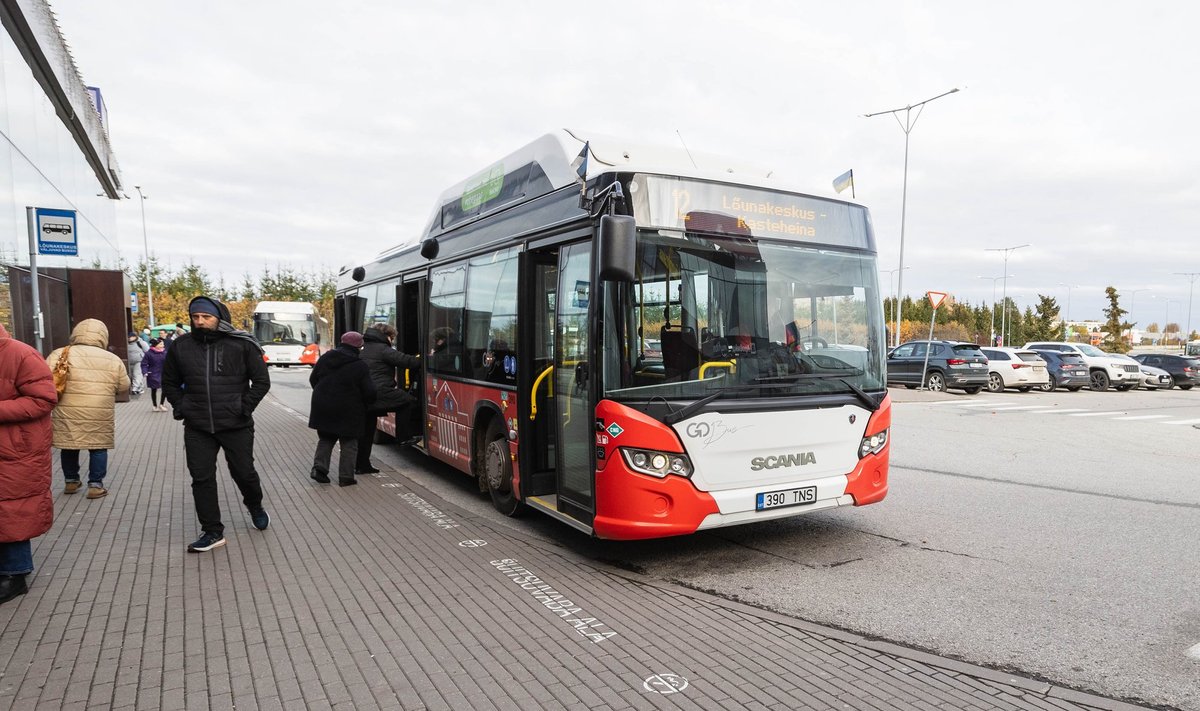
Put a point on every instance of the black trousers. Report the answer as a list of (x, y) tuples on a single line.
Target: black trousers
[(367, 440), (201, 448)]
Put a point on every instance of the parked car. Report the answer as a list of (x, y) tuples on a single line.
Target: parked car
[(1152, 377), (1103, 370), (1015, 368), (1065, 370), (951, 365), (1184, 370)]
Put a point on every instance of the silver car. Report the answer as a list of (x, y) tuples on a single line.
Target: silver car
[(1152, 377)]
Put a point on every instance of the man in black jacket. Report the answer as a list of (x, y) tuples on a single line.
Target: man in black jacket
[(383, 360), (214, 377)]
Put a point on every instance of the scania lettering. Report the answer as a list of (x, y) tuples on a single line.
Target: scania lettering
[(637, 344), (787, 460)]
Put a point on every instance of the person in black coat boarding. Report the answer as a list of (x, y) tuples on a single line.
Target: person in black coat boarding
[(342, 393), (384, 361)]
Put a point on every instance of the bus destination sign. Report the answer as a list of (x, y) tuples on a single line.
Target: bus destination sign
[(677, 203)]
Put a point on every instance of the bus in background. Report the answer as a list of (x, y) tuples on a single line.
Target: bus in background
[(637, 347), (1193, 348), (290, 332)]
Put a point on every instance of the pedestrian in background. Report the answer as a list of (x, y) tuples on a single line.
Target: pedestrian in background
[(85, 415), (342, 392), (152, 368), (137, 349), (383, 361), (214, 378), (27, 397)]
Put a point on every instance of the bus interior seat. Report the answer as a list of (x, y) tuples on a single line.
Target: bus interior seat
[(680, 350)]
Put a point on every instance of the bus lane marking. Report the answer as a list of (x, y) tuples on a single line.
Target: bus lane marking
[(554, 601), (1098, 414), (1183, 422), (428, 510), (665, 683), (1144, 417)]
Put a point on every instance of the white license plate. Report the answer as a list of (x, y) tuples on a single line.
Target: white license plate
[(1038, 369), (977, 365), (787, 497)]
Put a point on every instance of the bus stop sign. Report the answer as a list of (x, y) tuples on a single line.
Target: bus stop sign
[(56, 232), (936, 297)]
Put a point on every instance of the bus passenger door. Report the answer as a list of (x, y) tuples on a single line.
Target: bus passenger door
[(572, 369), (540, 430), (410, 325)]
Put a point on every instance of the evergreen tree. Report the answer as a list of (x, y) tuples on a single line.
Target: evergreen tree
[(1045, 325), (1116, 326)]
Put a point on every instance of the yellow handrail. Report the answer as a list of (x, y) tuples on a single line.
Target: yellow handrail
[(534, 389), (718, 364)]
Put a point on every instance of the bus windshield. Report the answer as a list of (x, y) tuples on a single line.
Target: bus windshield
[(289, 329), (755, 318)]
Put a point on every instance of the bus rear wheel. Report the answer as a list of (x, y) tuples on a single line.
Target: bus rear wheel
[(497, 472)]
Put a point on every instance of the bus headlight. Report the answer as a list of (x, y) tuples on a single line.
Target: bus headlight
[(873, 444), (659, 464)]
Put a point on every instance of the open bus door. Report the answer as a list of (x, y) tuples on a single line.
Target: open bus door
[(348, 314), (557, 447), (410, 325)]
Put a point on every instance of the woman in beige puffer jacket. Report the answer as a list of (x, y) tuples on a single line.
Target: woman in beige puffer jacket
[(84, 417)]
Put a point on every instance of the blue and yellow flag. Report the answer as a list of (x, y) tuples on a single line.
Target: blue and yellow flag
[(843, 181)]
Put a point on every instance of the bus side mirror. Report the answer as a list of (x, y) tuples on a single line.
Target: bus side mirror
[(618, 248)]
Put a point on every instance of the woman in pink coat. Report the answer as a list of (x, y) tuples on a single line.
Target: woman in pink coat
[(27, 398)]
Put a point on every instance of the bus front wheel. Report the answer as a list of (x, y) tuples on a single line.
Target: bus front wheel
[(497, 472)]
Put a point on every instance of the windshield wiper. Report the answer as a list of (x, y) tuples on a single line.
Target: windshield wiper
[(796, 377), (859, 393), (862, 396), (693, 407)]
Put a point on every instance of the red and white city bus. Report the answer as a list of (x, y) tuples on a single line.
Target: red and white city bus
[(638, 347)]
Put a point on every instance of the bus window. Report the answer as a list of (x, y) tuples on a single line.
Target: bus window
[(491, 318), (446, 302)]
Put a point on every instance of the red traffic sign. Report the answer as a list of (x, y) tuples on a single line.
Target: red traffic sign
[(936, 297)]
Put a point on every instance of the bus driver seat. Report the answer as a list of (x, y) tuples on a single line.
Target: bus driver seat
[(680, 351)]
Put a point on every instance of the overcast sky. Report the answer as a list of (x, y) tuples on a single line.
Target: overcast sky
[(317, 134)]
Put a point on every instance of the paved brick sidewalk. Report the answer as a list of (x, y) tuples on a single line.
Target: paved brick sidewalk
[(384, 596)]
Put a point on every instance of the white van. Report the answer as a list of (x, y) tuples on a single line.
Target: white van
[(1103, 369)]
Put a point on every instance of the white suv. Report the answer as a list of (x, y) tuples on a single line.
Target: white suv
[(1103, 369)]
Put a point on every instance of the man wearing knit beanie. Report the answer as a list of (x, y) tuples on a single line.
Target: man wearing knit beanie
[(214, 377)]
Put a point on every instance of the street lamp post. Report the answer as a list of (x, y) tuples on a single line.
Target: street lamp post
[(1167, 318), (1133, 300), (1004, 302), (1069, 287), (1191, 286), (892, 283), (992, 329), (146, 246), (906, 126)]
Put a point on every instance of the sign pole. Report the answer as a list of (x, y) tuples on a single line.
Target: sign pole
[(31, 219), (935, 298)]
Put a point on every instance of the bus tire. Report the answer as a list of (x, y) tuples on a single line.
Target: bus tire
[(497, 471)]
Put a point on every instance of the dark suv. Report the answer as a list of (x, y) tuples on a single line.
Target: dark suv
[(1067, 370), (1184, 370), (951, 365)]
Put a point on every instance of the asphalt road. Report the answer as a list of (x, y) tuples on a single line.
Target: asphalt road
[(1058, 540)]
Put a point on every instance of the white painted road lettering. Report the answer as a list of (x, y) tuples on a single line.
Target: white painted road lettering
[(554, 601), (428, 510), (473, 543), (665, 683)]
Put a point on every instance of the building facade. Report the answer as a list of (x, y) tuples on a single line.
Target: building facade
[(55, 153)]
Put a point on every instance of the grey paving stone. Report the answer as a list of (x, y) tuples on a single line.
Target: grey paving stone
[(354, 598)]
